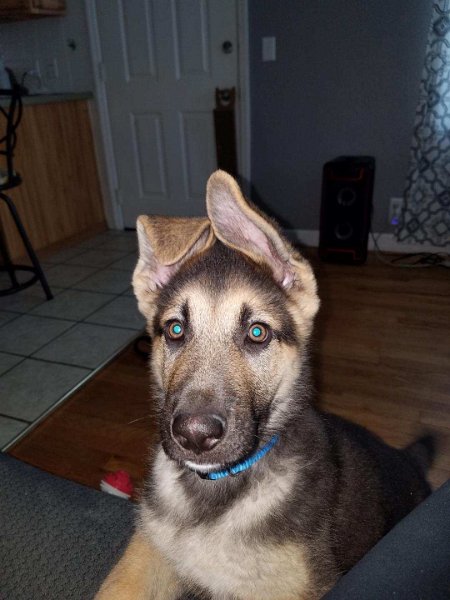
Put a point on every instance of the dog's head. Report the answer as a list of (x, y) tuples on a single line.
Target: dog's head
[(229, 305)]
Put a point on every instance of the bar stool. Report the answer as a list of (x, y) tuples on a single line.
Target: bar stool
[(9, 179)]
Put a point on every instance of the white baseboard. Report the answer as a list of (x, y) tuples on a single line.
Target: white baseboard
[(386, 242)]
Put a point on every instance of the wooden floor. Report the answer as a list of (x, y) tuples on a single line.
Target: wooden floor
[(381, 358)]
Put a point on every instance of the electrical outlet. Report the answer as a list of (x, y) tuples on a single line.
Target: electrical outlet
[(395, 211), (27, 73)]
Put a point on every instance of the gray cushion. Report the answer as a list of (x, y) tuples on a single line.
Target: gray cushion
[(412, 562), (58, 539)]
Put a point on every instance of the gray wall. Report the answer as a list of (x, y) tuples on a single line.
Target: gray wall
[(34, 44), (346, 81)]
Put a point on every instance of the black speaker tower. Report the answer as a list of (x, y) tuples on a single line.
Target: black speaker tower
[(346, 208)]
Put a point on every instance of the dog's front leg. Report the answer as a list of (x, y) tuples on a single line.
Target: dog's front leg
[(141, 574)]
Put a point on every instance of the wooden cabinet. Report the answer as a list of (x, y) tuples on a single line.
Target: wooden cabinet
[(18, 10), (60, 194)]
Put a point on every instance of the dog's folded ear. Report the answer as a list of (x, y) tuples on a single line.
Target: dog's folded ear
[(241, 226), (165, 243)]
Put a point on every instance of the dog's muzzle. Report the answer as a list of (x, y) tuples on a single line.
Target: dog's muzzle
[(198, 432)]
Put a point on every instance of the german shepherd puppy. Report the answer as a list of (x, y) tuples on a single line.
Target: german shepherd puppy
[(253, 493)]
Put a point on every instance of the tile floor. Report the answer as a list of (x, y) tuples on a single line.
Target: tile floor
[(49, 348)]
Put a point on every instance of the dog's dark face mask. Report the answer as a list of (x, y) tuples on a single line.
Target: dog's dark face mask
[(230, 306)]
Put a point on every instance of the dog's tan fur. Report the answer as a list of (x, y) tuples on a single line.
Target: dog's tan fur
[(286, 263), (213, 320), (171, 241), (167, 243), (282, 530), (220, 557), (141, 573)]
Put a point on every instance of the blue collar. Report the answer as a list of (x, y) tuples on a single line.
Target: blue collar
[(242, 466)]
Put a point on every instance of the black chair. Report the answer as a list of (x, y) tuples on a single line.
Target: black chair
[(9, 180)]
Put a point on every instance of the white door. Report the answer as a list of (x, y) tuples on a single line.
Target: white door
[(162, 60)]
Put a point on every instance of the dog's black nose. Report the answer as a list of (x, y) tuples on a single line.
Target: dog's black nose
[(199, 432)]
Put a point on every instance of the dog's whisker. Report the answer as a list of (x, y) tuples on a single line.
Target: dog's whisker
[(149, 416)]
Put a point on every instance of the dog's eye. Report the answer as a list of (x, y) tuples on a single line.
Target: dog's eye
[(175, 330), (258, 333)]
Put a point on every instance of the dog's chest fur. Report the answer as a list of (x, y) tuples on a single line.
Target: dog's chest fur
[(227, 557)]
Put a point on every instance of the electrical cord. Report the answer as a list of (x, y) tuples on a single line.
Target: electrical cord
[(418, 260), (421, 259)]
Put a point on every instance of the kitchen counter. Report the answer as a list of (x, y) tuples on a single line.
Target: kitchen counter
[(60, 194), (44, 98)]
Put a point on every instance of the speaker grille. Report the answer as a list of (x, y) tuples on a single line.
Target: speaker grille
[(347, 189)]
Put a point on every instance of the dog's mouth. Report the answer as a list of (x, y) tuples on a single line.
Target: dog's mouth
[(208, 444), (207, 436), (203, 468), (223, 457), (215, 472)]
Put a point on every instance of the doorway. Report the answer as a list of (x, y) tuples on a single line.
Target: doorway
[(158, 64)]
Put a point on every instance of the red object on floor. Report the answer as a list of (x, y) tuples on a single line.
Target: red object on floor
[(120, 480)]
